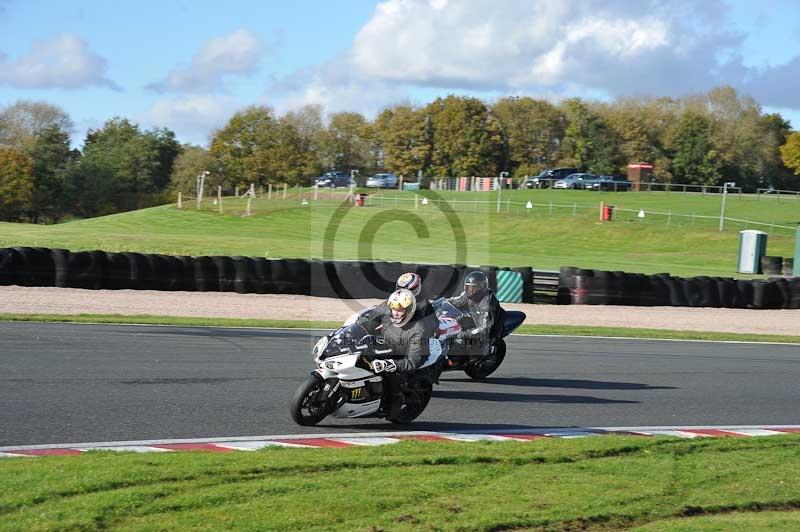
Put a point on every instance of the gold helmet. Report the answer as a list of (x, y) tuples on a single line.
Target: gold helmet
[(402, 305)]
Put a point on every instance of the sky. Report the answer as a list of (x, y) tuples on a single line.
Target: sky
[(190, 65)]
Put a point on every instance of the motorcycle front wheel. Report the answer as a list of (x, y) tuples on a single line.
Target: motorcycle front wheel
[(486, 365), (304, 408)]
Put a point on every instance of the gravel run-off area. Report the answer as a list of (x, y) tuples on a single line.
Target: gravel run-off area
[(47, 300)]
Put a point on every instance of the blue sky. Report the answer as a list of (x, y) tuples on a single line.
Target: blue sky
[(190, 65)]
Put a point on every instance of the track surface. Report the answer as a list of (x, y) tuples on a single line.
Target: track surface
[(64, 383)]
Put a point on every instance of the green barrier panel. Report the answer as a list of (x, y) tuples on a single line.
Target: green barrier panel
[(796, 267), (509, 286)]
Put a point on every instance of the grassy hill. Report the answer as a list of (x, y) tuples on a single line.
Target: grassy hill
[(561, 229)]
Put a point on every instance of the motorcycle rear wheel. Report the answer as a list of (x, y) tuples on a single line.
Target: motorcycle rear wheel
[(416, 399), (485, 366), (302, 408)]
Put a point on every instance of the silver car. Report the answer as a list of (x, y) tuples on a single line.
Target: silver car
[(573, 181), (382, 181)]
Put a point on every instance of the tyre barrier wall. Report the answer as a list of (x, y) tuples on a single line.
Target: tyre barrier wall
[(33, 266), (596, 287), (25, 266)]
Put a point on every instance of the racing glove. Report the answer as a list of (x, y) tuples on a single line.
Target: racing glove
[(386, 365)]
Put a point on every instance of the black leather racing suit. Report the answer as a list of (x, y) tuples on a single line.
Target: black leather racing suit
[(487, 318), (409, 343)]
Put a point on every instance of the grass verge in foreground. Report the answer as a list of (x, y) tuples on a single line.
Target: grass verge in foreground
[(611, 482), (566, 330)]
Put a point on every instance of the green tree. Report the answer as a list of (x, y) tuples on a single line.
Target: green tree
[(467, 139), (775, 171), (16, 183), (134, 166), (162, 141), (51, 155), (694, 159), (589, 144), (90, 188)]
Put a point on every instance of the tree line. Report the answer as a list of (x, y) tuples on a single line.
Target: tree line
[(703, 139)]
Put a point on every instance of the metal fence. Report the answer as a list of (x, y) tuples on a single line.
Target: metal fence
[(262, 202), (533, 209)]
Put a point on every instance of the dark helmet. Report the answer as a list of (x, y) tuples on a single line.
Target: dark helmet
[(475, 285)]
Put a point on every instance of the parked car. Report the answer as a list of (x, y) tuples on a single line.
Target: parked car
[(573, 181), (382, 181), (547, 177), (607, 182), (333, 179)]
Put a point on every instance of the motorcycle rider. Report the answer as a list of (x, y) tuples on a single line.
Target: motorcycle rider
[(407, 333), (479, 303), (408, 281), (413, 282)]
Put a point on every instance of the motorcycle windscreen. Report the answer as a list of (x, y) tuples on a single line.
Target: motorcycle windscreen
[(443, 308), (347, 340)]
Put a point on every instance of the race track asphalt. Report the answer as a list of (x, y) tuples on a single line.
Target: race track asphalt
[(64, 383)]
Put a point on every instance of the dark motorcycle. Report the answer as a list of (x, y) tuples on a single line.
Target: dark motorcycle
[(477, 363)]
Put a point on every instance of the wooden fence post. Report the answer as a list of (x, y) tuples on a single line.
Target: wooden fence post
[(219, 197), (180, 200)]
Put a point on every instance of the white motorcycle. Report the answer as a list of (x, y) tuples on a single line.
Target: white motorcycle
[(456, 358), (345, 384)]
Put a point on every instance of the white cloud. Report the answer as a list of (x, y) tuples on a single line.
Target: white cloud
[(193, 118), (618, 46), (337, 87), (237, 54), (63, 62), (589, 48)]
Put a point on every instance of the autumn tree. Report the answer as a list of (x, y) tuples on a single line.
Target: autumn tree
[(23, 121), (192, 161), (790, 152), (238, 150), (467, 139), (346, 144), (533, 130), (16, 183), (405, 138)]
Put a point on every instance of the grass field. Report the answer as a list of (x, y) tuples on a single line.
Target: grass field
[(545, 237), (596, 483)]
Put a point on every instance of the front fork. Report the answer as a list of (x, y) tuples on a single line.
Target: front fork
[(329, 393)]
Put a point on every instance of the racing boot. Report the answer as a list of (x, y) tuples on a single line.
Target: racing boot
[(398, 404)]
